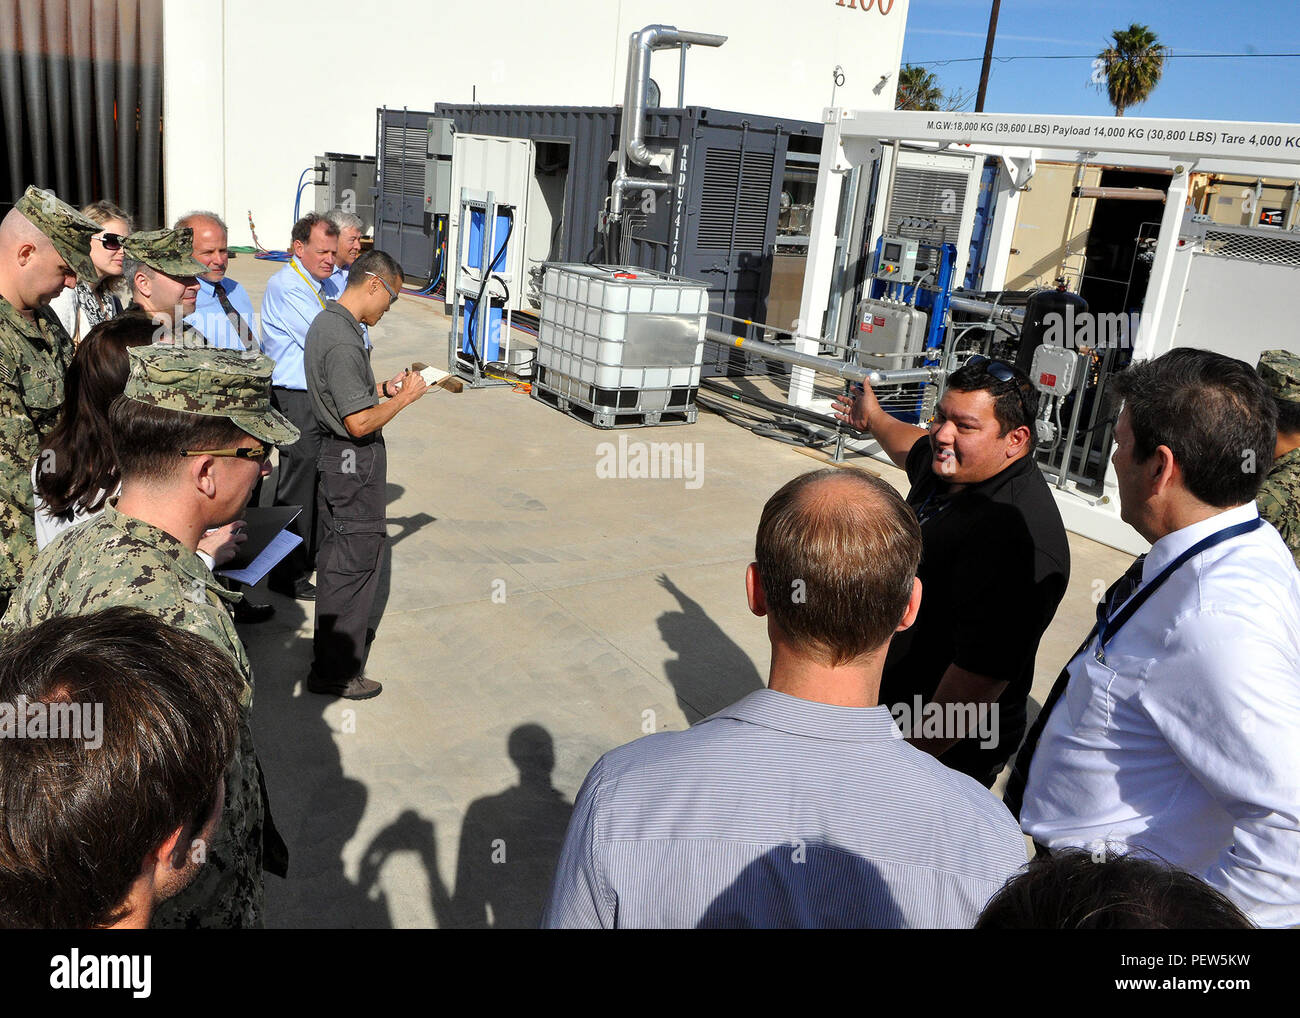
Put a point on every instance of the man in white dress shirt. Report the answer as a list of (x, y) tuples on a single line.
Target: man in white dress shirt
[(1176, 728)]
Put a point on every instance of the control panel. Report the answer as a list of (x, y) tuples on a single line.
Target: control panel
[(897, 260)]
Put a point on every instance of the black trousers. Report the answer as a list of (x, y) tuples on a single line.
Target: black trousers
[(351, 506), (295, 483)]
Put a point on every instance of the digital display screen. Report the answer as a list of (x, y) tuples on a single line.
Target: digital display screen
[(893, 252)]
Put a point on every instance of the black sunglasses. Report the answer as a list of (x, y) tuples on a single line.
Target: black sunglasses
[(111, 241), (1003, 373)]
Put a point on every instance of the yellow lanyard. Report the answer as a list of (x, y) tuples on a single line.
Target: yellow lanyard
[(294, 265)]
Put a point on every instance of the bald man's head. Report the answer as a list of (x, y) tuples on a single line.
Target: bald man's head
[(836, 553), (211, 242), (32, 272)]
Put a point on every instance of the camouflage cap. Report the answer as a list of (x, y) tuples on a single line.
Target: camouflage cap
[(213, 382), (1280, 370), (169, 251), (69, 231)]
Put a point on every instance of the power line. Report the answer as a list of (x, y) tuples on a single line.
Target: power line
[(1094, 56)]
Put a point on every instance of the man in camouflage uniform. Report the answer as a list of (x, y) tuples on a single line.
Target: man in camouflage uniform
[(44, 247), (214, 406), (163, 274), (1279, 498)]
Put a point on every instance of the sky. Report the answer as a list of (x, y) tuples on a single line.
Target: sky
[(1195, 88)]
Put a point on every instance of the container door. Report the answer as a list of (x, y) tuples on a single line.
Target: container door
[(504, 166), (402, 223), (733, 201)]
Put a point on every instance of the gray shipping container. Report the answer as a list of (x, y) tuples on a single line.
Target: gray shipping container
[(717, 222)]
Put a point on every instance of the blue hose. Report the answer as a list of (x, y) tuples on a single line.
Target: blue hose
[(298, 197)]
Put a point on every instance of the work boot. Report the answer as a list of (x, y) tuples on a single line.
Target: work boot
[(356, 688), (301, 589), (247, 613)]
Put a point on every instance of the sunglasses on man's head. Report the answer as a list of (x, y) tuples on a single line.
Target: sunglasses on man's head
[(111, 241), (253, 452), (1003, 373)]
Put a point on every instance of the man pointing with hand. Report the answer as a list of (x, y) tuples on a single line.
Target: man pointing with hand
[(994, 565), (350, 496)]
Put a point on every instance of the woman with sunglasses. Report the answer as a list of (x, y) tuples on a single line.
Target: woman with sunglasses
[(88, 303)]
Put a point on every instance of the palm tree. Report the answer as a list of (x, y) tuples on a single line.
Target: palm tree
[(918, 89), (1131, 66)]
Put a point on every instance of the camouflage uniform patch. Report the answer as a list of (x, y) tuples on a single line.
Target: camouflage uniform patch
[(34, 356), (1279, 496), (1279, 500), (115, 559)]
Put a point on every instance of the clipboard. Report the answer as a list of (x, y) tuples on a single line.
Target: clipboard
[(262, 524)]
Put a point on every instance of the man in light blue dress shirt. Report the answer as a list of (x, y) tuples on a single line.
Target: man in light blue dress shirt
[(801, 805), (223, 311), (294, 297)]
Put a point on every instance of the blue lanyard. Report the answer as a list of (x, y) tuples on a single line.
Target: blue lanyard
[(1109, 627)]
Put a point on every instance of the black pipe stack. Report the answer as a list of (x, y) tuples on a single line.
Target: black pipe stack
[(81, 102)]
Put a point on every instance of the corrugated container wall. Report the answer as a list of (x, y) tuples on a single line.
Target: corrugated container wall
[(717, 222)]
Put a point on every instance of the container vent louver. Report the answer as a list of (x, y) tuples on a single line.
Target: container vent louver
[(927, 196), (404, 158), (723, 181)]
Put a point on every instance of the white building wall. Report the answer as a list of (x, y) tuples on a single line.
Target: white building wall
[(254, 89)]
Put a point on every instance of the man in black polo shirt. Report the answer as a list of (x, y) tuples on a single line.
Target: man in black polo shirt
[(995, 563), (353, 464)]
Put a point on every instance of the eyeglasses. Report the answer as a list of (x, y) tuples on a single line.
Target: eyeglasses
[(392, 294), (257, 452), (111, 241), (1003, 373)]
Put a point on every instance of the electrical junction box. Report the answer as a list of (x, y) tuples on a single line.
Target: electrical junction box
[(889, 333), (897, 260), (1053, 369), (437, 167)]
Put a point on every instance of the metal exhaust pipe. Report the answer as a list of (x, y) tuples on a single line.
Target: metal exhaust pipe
[(632, 144), (850, 370)]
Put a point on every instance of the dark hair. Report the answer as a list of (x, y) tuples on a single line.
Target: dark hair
[(379, 262), (1288, 415), (1007, 407), (82, 470), (77, 821), (1214, 414), (301, 232), (837, 551), (1070, 890), (148, 439)]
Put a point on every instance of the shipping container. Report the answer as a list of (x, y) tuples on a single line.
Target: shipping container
[(717, 221)]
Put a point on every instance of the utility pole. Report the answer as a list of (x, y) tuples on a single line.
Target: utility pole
[(988, 56)]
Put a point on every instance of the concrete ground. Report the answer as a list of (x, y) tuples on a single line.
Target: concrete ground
[(534, 616)]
